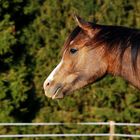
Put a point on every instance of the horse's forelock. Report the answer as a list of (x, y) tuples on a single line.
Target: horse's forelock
[(71, 37)]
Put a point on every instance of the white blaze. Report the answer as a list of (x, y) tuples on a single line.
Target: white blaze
[(71, 42), (53, 73)]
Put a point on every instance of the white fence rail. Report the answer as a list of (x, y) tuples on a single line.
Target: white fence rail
[(79, 123), (111, 134), (68, 135)]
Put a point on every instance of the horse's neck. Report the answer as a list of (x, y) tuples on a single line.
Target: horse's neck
[(125, 69)]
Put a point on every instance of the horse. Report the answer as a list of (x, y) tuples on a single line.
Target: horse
[(92, 51)]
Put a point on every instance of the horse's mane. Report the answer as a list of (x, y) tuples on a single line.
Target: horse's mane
[(115, 38), (118, 39)]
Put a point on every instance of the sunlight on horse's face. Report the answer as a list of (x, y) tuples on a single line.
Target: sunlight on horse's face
[(80, 65)]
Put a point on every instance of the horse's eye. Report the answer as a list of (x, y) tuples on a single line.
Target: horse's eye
[(73, 50)]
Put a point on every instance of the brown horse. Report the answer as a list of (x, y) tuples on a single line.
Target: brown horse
[(90, 52)]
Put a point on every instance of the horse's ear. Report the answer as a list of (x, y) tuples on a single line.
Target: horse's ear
[(86, 26)]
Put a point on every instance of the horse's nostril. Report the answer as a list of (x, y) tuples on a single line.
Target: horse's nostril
[(48, 84)]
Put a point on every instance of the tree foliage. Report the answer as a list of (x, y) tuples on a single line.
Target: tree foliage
[(30, 31)]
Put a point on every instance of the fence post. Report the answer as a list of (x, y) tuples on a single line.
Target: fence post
[(112, 130)]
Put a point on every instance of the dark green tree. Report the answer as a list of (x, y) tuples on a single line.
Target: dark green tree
[(32, 34)]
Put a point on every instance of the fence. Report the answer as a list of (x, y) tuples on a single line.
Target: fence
[(111, 133)]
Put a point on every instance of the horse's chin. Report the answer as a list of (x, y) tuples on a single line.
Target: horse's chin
[(58, 94), (61, 93)]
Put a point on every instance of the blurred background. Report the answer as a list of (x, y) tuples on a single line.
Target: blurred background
[(32, 34)]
